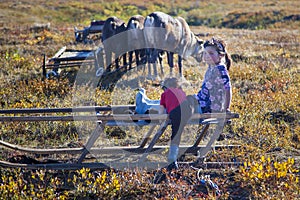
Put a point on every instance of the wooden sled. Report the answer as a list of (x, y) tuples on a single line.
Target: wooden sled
[(104, 116), (70, 58)]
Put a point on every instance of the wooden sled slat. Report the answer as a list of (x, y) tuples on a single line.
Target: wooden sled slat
[(94, 165), (116, 117), (121, 165), (41, 151), (65, 110), (106, 150), (54, 166)]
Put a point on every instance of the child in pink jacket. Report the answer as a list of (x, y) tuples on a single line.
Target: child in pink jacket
[(174, 102)]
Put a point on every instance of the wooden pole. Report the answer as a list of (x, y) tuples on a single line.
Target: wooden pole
[(111, 117), (66, 110)]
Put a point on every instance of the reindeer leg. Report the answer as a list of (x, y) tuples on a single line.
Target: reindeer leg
[(154, 60), (137, 57), (180, 65), (144, 59), (130, 59), (143, 56), (124, 59), (170, 56), (160, 58), (117, 61), (108, 60), (149, 69), (149, 60), (155, 69)]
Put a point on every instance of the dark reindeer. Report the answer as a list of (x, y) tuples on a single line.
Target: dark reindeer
[(114, 41), (173, 35), (135, 38)]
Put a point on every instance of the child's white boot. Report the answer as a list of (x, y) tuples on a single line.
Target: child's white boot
[(172, 157)]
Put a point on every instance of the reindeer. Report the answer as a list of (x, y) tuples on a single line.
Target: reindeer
[(135, 36), (173, 35), (114, 41)]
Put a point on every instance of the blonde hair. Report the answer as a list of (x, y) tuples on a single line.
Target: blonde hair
[(170, 82)]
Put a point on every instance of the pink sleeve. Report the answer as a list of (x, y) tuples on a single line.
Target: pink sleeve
[(162, 100)]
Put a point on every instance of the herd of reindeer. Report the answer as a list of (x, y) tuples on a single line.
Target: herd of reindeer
[(149, 38)]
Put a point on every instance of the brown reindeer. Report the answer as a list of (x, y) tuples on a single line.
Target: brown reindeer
[(114, 41), (173, 35)]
